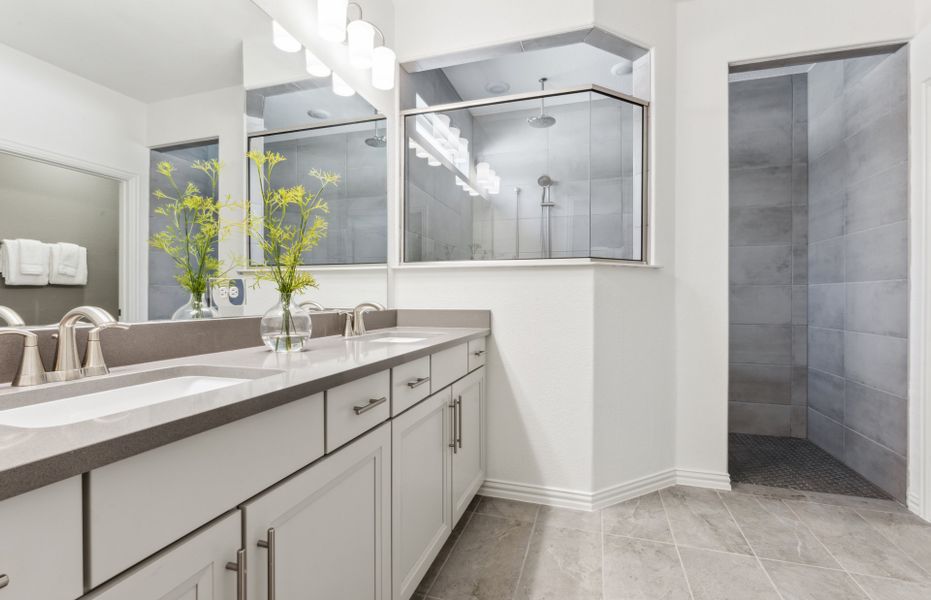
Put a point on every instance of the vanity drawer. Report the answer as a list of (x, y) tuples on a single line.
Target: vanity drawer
[(355, 407), (476, 354), (446, 366), (40, 543), (141, 504), (410, 383)]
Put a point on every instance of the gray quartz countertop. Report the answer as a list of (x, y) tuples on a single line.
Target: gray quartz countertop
[(34, 457)]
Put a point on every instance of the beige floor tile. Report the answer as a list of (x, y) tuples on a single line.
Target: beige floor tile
[(774, 531), (562, 563), (891, 589), (720, 576), (699, 519), (566, 518), (642, 570), (802, 582), (907, 531), (641, 517), (485, 563), (854, 543), (508, 509)]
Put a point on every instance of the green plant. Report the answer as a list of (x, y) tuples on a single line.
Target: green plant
[(291, 224), (193, 229)]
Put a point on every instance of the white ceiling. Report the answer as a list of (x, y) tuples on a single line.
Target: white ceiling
[(147, 49)]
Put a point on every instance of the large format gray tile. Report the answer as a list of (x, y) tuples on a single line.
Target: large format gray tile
[(440, 560), (566, 518), (720, 576), (878, 200), (761, 225), (826, 130), (878, 146), (854, 543), (826, 305), (800, 225), (826, 433), (800, 305), (767, 384), (826, 261), (891, 589), (698, 518), (826, 394), (759, 419), (761, 265), (763, 186), (826, 350), (825, 86), (800, 386), (878, 361), (876, 463), (508, 509), (642, 517), (799, 345), (485, 563), (642, 570), (774, 531), (826, 216), (878, 254), (879, 307), (761, 344), (761, 147), (761, 304), (562, 563), (905, 530), (826, 173), (760, 103), (800, 582), (877, 415)]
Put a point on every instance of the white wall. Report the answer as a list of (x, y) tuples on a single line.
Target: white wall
[(712, 34)]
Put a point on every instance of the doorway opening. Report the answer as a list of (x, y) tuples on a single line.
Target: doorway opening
[(818, 381)]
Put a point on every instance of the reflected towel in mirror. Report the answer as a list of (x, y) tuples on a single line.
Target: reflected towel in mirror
[(24, 262), (68, 264)]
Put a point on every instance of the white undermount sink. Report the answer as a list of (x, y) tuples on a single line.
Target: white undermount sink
[(121, 396)]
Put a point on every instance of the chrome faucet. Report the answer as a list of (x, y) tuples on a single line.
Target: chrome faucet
[(31, 371), (355, 322), (11, 317), (67, 365), (311, 306)]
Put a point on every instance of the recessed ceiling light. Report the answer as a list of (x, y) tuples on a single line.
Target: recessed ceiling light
[(318, 113), (622, 68), (497, 87)]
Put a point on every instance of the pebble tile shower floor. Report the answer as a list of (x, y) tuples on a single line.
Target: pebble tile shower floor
[(682, 543), (793, 463)]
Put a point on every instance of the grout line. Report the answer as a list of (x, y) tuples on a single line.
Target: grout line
[(749, 545), (893, 542), (451, 550), (685, 575), (523, 563)]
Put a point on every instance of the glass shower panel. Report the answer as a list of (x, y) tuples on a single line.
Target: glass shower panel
[(357, 224)]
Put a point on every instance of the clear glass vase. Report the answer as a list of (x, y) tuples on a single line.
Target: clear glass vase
[(196, 308), (286, 326)]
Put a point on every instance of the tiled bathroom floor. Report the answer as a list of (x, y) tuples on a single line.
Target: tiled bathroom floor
[(684, 543), (793, 463)]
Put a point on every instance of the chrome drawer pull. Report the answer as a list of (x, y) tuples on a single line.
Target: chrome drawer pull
[(478, 352), (459, 420), (452, 426), (417, 382), (373, 402), (240, 567), (270, 545), (4, 581)]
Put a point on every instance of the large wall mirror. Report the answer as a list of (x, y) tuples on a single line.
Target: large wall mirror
[(132, 121)]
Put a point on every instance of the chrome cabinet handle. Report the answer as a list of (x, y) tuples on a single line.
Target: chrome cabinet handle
[(452, 430), (417, 382), (270, 545), (4, 581), (478, 352), (459, 419), (240, 567), (373, 402)]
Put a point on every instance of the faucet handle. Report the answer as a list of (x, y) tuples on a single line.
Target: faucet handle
[(348, 327), (31, 371), (94, 363)]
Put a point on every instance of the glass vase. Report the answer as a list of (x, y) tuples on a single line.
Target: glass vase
[(196, 308), (286, 326)]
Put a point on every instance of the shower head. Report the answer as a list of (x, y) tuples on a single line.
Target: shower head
[(544, 181), (376, 141), (542, 120)]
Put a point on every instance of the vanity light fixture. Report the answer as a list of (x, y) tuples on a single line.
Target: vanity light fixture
[(384, 66), (361, 35), (331, 19), (315, 67), (283, 40), (340, 87)]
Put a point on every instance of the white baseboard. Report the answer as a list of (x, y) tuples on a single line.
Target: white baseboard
[(564, 498)]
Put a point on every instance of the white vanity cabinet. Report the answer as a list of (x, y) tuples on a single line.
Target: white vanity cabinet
[(468, 398), (203, 566), (40, 544), (421, 489), (325, 532)]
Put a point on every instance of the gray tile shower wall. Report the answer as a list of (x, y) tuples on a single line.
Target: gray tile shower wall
[(858, 262), (768, 256)]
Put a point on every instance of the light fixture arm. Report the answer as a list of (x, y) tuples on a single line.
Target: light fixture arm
[(384, 40)]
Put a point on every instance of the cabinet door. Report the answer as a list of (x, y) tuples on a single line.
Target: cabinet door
[(193, 569), (421, 502), (469, 437), (325, 532)]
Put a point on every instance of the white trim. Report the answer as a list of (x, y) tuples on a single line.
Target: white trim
[(534, 263), (563, 498), (133, 264)]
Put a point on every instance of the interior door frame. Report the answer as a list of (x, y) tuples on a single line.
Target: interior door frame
[(133, 223)]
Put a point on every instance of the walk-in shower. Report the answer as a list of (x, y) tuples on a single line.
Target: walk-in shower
[(542, 120)]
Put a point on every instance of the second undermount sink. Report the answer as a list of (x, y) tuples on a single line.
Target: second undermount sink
[(119, 394), (398, 337)]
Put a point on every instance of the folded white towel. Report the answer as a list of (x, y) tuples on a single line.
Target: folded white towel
[(68, 264), (12, 262)]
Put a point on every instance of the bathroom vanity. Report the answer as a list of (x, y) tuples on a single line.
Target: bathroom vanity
[(340, 470)]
